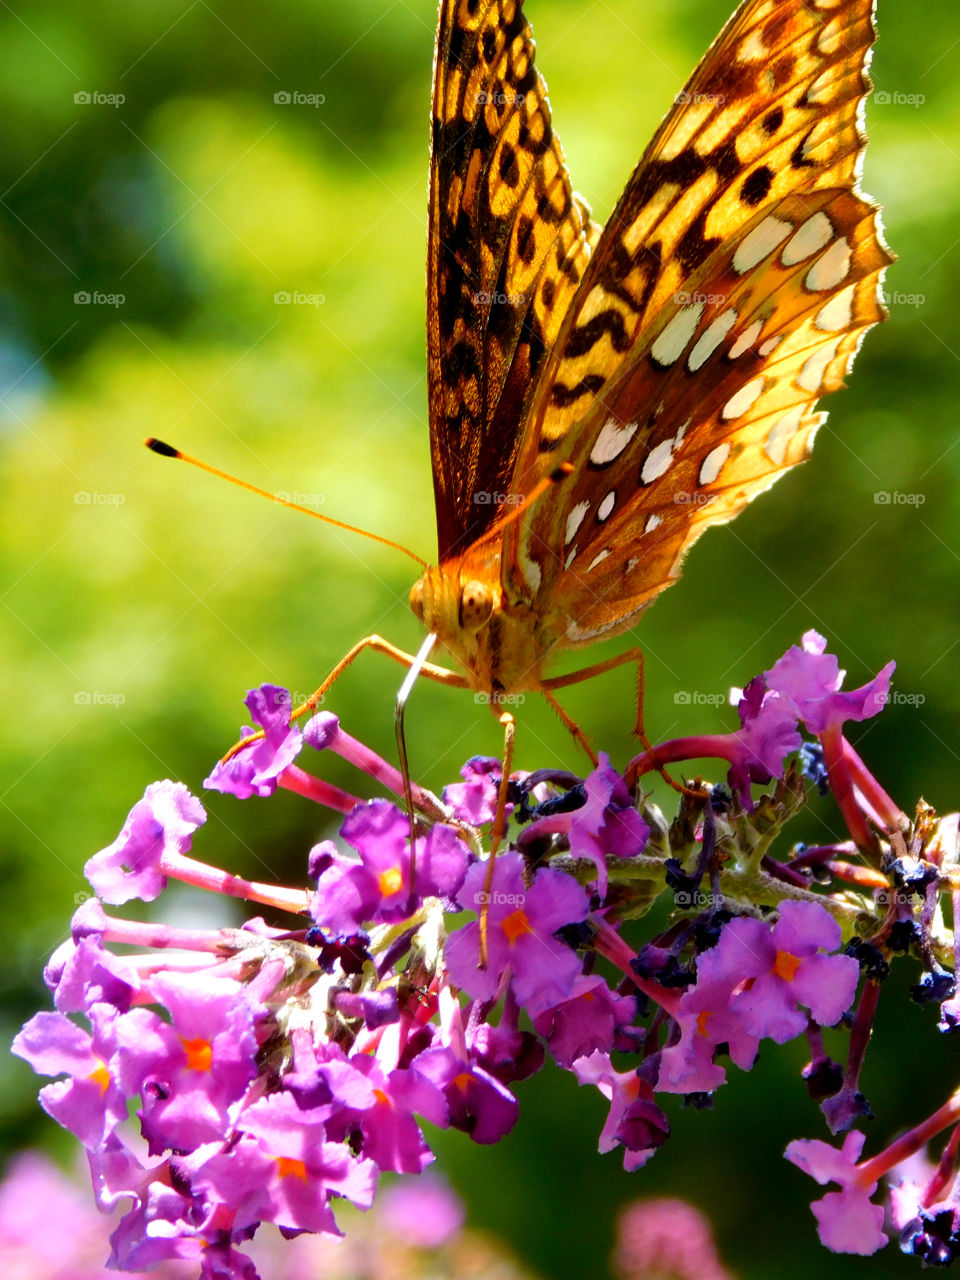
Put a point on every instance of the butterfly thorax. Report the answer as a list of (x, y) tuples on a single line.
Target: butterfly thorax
[(496, 642)]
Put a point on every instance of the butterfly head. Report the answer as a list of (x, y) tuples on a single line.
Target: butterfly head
[(464, 605)]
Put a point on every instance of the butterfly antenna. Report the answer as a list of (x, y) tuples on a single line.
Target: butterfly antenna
[(168, 451)]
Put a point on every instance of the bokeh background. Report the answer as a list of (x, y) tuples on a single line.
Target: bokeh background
[(148, 166)]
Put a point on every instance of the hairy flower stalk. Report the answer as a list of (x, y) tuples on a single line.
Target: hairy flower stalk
[(220, 1079)]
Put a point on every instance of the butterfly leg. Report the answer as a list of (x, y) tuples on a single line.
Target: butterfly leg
[(509, 726), (571, 725), (377, 643)]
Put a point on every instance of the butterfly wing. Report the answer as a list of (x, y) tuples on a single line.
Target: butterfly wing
[(730, 289), (507, 246)]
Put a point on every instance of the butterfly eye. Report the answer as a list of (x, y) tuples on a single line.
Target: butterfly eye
[(476, 605), (416, 599)]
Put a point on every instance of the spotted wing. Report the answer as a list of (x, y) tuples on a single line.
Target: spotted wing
[(508, 244), (729, 290)]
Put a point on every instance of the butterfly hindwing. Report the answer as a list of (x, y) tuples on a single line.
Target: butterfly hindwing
[(508, 244), (713, 405), (742, 224)]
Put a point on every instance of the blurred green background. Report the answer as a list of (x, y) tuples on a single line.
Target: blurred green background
[(141, 599)]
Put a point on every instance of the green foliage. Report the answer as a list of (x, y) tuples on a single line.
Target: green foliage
[(141, 599)]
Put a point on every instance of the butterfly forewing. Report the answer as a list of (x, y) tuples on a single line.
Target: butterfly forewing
[(508, 244), (729, 290)]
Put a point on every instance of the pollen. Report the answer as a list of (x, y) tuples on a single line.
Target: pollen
[(382, 1098), (390, 881), (462, 1081), (515, 925), (287, 1168), (786, 965), (199, 1053), (703, 1020)]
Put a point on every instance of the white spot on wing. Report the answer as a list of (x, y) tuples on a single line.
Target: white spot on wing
[(742, 400), (532, 574), (672, 343), (653, 522), (760, 243), (713, 463), (752, 49), (746, 340), (612, 440), (837, 314), (830, 269), (607, 505), (816, 232), (570, 558), (710, 339), (597, 559), (574, 521), (771, 345), (657, 461), (678, 438), (811, 375), (781, 434)]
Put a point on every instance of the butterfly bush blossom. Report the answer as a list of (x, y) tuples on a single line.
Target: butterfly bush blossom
[(224, 1078)]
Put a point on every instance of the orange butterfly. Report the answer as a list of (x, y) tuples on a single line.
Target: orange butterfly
[(599, 397), (618, 391)]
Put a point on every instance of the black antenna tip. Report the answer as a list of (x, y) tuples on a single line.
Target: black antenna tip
[(158, 446)]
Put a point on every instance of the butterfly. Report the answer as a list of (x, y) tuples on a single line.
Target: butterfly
[(600, 397)]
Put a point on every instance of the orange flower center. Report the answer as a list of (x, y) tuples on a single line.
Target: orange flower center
[(101, 1076), (390, 881), (287, 1167), (786, 965), (199, 1053), (515, 925)]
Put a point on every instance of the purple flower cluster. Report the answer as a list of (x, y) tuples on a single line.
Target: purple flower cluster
[(220, 1079)]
